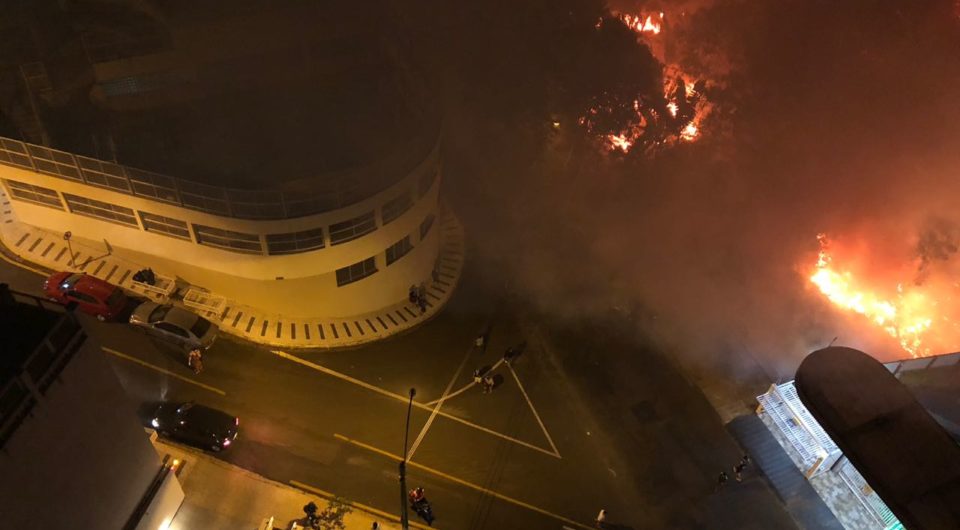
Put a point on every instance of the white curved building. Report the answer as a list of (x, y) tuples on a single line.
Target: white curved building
[(338, 245)]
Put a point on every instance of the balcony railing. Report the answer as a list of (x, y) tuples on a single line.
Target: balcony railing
[(311, 196), (41, 367)]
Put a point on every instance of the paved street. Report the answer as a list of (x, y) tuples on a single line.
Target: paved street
[(568, 430)]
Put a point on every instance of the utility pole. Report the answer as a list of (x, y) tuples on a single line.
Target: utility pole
[(404, 520)]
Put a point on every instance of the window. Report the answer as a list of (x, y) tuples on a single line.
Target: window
[(171, 328), (295, 242), (35, 194), (426, 180), (356, 271), (425, 226), (164, 225), (352, 229), (396, 207), (100, 210), (398, 250), (227, 239), (83, 297)]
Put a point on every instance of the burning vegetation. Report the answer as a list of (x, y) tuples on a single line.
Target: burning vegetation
[(649, 122), (913, 303)]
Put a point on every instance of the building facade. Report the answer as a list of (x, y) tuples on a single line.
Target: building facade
[(338, 245), (72, 451)]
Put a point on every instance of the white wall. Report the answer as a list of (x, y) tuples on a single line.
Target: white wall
[(82, 460), (308, 286)]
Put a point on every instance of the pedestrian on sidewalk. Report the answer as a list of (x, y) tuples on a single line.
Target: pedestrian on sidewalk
[(412, 294), (722, 479), (738, 469), (477, 377), (422, 302), (601, 518)]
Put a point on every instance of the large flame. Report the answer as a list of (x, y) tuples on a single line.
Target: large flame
[(643, 25), (905, 314)]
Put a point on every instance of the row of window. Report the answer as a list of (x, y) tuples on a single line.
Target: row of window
[(367, 267), (227, 239), (277, 244)]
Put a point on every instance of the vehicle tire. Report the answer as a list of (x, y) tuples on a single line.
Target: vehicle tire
[(216, 448)]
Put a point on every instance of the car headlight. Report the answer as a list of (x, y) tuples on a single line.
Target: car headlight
[(155, 423), (226, 442)]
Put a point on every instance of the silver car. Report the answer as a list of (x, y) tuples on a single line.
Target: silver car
[(175, 325)]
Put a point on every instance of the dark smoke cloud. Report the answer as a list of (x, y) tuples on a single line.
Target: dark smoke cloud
[(840, 117)]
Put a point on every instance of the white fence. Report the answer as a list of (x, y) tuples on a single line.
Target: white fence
[(207, 302), (923, 363)]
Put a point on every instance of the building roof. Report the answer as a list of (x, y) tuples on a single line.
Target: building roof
[(905, 456), (23, 325)]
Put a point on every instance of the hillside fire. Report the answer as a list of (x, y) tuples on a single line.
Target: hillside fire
[(678, 117)]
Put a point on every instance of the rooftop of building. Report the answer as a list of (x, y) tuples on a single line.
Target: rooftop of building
[(24, 323), (248, 94), (902, 452)]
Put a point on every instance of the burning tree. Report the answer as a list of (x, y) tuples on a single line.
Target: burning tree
[(669, 111)]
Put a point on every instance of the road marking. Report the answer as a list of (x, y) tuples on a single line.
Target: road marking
[(465, 387), (462, 482), (433, 415), (363, 507), (533, 409), (164, 371), (403, 399)]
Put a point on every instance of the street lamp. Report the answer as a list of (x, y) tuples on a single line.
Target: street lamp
[(66, 236), (404, 520)]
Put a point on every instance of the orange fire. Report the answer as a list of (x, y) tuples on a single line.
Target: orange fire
[(643, 25), (620, 141), (907, 315), (685, 108)]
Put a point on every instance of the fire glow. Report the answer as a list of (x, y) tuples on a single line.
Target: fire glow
[(643, 25), (907, 315), (683, 107)]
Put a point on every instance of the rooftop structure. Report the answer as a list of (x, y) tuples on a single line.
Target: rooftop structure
[(900, 450), (72, 452)]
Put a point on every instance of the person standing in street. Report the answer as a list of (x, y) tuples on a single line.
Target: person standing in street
[(487, 384), (195, 360), (601, 518), (722, 479)]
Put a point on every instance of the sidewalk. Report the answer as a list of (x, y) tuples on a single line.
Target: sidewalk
[(223, 496), (49, 251)]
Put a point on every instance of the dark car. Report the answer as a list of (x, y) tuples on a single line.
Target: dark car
[(196, 425), (92, 295)]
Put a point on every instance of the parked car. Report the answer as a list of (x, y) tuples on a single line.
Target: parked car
[(92, 295), (196, 424), (175, 325)]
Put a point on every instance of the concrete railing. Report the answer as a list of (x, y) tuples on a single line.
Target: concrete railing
[(922, 363)]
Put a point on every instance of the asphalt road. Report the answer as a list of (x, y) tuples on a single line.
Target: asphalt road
[(559, 437)]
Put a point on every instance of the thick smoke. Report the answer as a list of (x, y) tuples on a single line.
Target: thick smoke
[(837, 118)]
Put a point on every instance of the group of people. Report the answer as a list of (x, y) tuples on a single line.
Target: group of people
[(418, 297), (738, 469), (485, 380)]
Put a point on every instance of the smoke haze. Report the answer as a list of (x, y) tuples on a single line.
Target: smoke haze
[(836, 117)]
